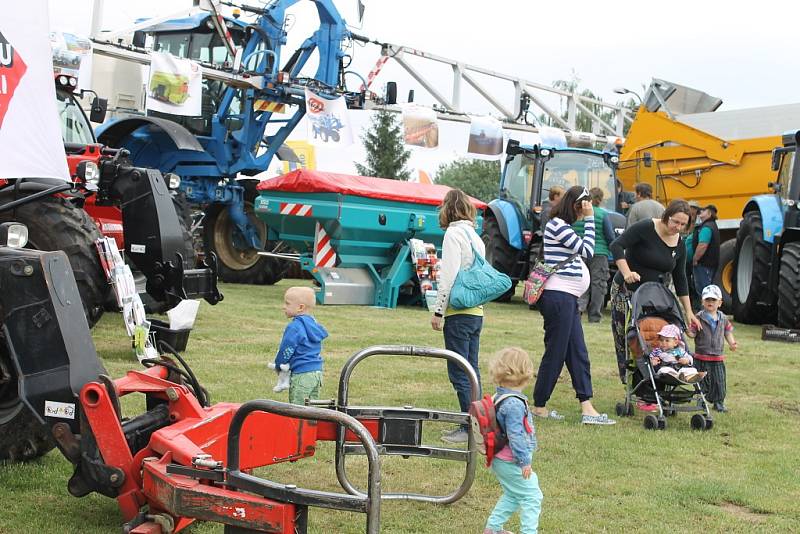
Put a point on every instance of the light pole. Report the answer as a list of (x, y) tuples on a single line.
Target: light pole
[(624, 91)]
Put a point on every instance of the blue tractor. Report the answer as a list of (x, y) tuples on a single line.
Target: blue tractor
[(215, 153), (767, 259), (513, 223)]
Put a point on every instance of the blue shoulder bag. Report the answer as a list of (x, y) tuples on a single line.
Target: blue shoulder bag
[(477, 284)]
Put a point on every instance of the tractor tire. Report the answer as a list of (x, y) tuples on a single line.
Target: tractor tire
[(240, 266), (725, 274), (22, 436), (751, 271), (789, 287), (499, 254), (56, 224)]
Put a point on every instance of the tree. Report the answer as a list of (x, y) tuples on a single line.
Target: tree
[(477, 178), (386, 152)]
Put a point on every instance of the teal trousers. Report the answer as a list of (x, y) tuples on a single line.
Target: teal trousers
[(518, 494)]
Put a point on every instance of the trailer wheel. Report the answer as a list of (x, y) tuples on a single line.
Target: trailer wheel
[(789, 286), (56, 224), (499, 254), (724, 276), (751, 269), (22, 436), (236, 264)]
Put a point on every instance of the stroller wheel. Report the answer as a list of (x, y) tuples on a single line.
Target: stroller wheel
[(650, 422), (699, 422), (620, 409), (709, 423), (662, 423)]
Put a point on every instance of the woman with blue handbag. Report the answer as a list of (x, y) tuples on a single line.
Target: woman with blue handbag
[(462, 327), (563, 333)]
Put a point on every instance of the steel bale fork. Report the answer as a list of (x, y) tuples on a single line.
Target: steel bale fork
[(183, 460)]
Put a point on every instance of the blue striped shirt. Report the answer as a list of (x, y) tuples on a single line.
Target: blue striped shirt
[(561, 242)]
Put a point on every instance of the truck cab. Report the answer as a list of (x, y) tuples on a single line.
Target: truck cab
[(515, 220)]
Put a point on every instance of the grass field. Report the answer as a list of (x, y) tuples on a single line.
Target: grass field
[(742, 476)]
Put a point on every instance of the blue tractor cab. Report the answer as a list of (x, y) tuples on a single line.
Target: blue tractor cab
[(767, 259), (514, 221)]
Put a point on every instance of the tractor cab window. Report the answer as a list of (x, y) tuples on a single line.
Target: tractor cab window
[(74, 126), (567, 169), (518, 179), (785, 172)]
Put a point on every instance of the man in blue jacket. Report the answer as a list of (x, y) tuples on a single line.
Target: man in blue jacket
[(301, 345)]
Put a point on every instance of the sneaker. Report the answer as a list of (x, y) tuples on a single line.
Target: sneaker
[(456, 436), (490, 531), (600, 419)]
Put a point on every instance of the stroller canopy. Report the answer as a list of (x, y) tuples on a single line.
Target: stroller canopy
[(655, 299)]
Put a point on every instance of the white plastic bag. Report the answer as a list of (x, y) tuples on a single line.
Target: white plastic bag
[(182, 316)]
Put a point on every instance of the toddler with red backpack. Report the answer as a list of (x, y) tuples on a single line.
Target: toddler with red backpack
[(503, 428)]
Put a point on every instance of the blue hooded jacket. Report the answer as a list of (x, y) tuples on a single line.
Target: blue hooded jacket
[(301, 345)]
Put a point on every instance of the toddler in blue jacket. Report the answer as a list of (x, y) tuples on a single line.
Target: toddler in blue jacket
[(301, 345)]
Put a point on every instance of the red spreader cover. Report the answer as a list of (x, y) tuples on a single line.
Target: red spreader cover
[(306, 181)]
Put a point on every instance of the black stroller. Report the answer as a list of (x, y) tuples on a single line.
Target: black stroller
[(652, 306)]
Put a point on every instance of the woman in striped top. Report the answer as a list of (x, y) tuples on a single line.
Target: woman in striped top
[(563, 334)]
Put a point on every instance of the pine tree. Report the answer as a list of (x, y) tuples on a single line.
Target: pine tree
[(386, 153)]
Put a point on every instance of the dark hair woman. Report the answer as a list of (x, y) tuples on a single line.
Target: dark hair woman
[(649, 251), (563, 333), (462, 328)]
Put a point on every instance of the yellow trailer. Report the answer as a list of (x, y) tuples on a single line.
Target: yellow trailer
[(685, 149)]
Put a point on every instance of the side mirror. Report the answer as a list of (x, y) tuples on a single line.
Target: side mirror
[(776, 159), (139, 39), (98, 111), (391, 93)]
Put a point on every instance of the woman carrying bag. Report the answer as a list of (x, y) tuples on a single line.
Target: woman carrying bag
[(462, 327), (563, 333)]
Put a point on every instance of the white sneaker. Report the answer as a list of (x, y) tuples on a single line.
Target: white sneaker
[(456, 436)]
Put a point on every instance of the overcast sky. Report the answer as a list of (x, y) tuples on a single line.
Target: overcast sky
[(738, 52)]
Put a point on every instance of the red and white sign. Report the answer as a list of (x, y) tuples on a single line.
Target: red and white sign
[(324, 254), (301, 210), (30, 130)]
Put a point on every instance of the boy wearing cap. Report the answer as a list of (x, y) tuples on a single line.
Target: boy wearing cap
[(705, 259), (670, 356), (709, 344)]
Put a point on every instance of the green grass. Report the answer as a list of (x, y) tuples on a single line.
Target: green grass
[(740, 477)]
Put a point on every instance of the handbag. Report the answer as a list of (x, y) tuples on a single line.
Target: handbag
[(477, 284), (534, 285)]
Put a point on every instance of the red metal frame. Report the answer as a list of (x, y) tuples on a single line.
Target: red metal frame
[(266, 439)]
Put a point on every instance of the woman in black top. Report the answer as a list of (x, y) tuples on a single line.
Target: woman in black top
[(647, 252)]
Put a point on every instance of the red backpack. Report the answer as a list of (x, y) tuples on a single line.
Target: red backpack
[(489, 437)]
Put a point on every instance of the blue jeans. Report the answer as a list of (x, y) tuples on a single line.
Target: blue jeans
[(703, 276), (462, 335), (518, 494), (563, 344)]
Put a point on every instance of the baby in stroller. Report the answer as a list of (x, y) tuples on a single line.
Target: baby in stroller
[(670, 358)]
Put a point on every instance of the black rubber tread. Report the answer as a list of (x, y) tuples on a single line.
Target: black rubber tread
[(789, 286), (500, 254), (727, 253), (55, 223), (752, 311)]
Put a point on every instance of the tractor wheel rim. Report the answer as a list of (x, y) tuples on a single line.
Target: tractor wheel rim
[(229, 255), (744, 271), (727, 278)]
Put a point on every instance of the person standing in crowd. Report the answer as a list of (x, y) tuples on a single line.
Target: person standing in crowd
[(688, 240), (594, 299), (649, 251), (625, 199), (705, 259), (644, 207), (553, 197), (462, 328), (563, 333)]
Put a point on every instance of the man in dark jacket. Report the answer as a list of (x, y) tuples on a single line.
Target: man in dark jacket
[(705, 260)]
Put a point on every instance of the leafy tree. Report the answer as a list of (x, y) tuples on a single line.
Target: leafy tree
[(386, 152), (477, 178)]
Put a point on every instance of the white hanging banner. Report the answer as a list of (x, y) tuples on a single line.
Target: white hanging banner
[(30, 131), (72, 55), (328, 121), (420, 127), (175, 85), (485, 138)]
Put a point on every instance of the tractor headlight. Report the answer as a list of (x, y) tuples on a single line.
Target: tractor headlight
[(545, 152), (89, 171), (614, 159), (173, 180), (13, 234)]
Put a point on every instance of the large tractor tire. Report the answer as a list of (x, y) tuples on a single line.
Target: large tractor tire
[(240, 265), (724, 277), (56, 224), (789, 286), (500, 254), (751, 272), (22, 436)]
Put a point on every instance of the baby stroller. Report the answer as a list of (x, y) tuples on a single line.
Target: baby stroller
[(652, 306)]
